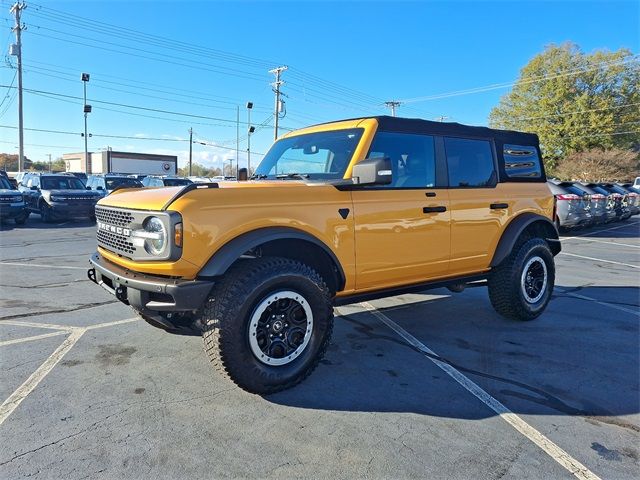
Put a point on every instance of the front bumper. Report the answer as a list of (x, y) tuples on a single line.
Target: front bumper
[(12, 210), (67, 210), (159, 299)]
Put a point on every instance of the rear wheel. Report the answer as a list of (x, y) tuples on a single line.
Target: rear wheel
[(268, 323), (521, 286)]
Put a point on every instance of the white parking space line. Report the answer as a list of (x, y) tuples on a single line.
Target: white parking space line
[(19, 323), (14, 264), (607, 242), (599, 302), (599, 260), (626, 225), (16, 398), (554, 451), (110, 324), (11, 403), (31, 339)]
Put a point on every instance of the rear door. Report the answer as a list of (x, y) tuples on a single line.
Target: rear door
[(479, 207)]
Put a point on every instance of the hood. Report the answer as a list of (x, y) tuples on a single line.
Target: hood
[(157, 198), (6, 191)]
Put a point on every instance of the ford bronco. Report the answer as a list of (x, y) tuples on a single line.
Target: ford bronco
[(335, 213)]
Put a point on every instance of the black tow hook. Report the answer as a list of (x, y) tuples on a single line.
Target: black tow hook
[(91, 273), (121, 294)]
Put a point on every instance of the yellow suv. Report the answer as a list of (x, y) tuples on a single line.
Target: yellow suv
[(334, 214)]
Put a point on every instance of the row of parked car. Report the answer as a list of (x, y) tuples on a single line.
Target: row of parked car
[(583, 204), (57, 196)]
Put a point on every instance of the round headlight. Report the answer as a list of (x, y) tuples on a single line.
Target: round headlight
[(155, 243)]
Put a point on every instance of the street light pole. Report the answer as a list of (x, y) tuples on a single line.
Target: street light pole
[(87, 110), (249, 132)]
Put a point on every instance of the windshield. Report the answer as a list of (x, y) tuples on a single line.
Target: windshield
[(321, 155), (176, 182), (122, 182), (4, 183), (61, 183)]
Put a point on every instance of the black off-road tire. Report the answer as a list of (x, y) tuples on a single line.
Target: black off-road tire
[(22, 218), (45, 213), (228, 311), (506, 289)]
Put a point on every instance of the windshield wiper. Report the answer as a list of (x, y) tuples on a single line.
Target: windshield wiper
[(301, 176)]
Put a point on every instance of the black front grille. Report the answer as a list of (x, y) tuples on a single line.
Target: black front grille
[(76, 199), (115, 242), (114, 217)]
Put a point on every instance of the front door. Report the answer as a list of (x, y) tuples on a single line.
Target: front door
[(402, 229)]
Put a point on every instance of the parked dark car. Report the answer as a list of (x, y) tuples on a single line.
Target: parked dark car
[(12, 181), (105, 184), (163, 181), (59, 196), (12, 203), (81, 175), (573, 206), (601, 204), (633, 195), (622, 199)]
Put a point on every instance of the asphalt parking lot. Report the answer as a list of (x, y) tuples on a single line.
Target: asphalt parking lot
[(430, 385)]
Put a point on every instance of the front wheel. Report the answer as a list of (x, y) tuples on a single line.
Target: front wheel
[(22, 218), (45, 213), (521, 286), (268, 323)]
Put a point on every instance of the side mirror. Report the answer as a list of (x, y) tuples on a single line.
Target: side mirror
[(88, 188), (372, 171), (243, 175), (99, 187)]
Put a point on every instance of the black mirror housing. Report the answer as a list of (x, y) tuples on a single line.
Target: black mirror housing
[(372, 171)]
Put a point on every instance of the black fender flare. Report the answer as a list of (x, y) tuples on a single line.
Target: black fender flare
[(220, 262), (515, 228)]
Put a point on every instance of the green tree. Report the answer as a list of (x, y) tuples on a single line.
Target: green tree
[(575, 101)]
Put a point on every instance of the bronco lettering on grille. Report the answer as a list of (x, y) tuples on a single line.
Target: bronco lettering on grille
[(113, 229)]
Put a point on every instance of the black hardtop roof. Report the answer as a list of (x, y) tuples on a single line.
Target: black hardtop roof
[(418, 125)]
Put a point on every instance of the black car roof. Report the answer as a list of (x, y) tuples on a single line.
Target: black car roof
[(418, 125)]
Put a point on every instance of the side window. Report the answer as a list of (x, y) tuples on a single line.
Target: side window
[(470, 163), (90, 182), (412, 158), (521, 161)]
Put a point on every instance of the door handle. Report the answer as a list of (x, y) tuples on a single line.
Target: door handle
[(438, 209), (498, 206)]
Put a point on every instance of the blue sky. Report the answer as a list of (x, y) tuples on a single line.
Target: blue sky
[(345, 59)]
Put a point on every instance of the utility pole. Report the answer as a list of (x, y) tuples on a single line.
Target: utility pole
[(49, 155), (276, 85), (392, 104), (190, 148), (16, 10)]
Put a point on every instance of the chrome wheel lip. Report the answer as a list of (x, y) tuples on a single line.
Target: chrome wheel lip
[(524, 280), (255, 318)]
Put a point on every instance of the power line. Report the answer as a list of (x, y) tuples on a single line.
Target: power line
[(562, 114), (497, 86)]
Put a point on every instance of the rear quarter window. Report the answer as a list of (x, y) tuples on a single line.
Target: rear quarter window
[(521, 161)]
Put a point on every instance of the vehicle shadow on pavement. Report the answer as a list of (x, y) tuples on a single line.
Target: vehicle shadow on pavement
[(34, 222), (618, 229), (579, 358)]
